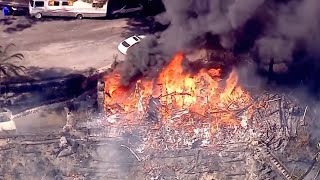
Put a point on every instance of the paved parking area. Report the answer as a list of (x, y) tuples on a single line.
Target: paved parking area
[(64, 45)]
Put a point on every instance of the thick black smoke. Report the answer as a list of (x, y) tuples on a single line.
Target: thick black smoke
[(281, 35)]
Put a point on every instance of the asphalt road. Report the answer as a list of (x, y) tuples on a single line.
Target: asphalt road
[(16, 3), (62, 46)]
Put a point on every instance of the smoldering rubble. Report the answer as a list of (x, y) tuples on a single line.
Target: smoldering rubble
[(280, 35)]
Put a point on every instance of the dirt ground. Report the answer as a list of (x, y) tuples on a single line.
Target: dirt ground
[(64, 45)]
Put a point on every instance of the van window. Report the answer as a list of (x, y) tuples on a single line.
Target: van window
[(65, 3), (53, 3), (98, 5), (39, 4)]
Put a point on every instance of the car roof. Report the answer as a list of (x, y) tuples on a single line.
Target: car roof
[(132, 40)]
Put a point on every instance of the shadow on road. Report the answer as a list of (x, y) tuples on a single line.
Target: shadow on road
[(46, 73), (19, 23), (92, 75), (144, 25), (34, 73)]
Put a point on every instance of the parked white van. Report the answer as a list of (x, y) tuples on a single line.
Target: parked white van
[(68, 8)]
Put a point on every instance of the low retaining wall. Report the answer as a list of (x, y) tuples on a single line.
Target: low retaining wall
[(19, 97), (47, 117)]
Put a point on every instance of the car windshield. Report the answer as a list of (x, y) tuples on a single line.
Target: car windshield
[(125, 44)]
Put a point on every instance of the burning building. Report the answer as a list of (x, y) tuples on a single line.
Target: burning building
[(204, 93)]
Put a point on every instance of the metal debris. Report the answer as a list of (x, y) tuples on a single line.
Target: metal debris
[(302, 121), (135, 155)]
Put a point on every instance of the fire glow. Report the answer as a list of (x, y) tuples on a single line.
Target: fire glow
[(204, 93)]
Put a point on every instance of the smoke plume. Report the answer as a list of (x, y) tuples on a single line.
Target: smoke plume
[(280, 35)]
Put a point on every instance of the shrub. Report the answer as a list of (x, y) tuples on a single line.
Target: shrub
[(7, 67)]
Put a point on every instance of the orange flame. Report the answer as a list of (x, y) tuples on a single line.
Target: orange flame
[(203, 93)]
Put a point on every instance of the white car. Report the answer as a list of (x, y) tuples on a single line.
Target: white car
[(129, 42)]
